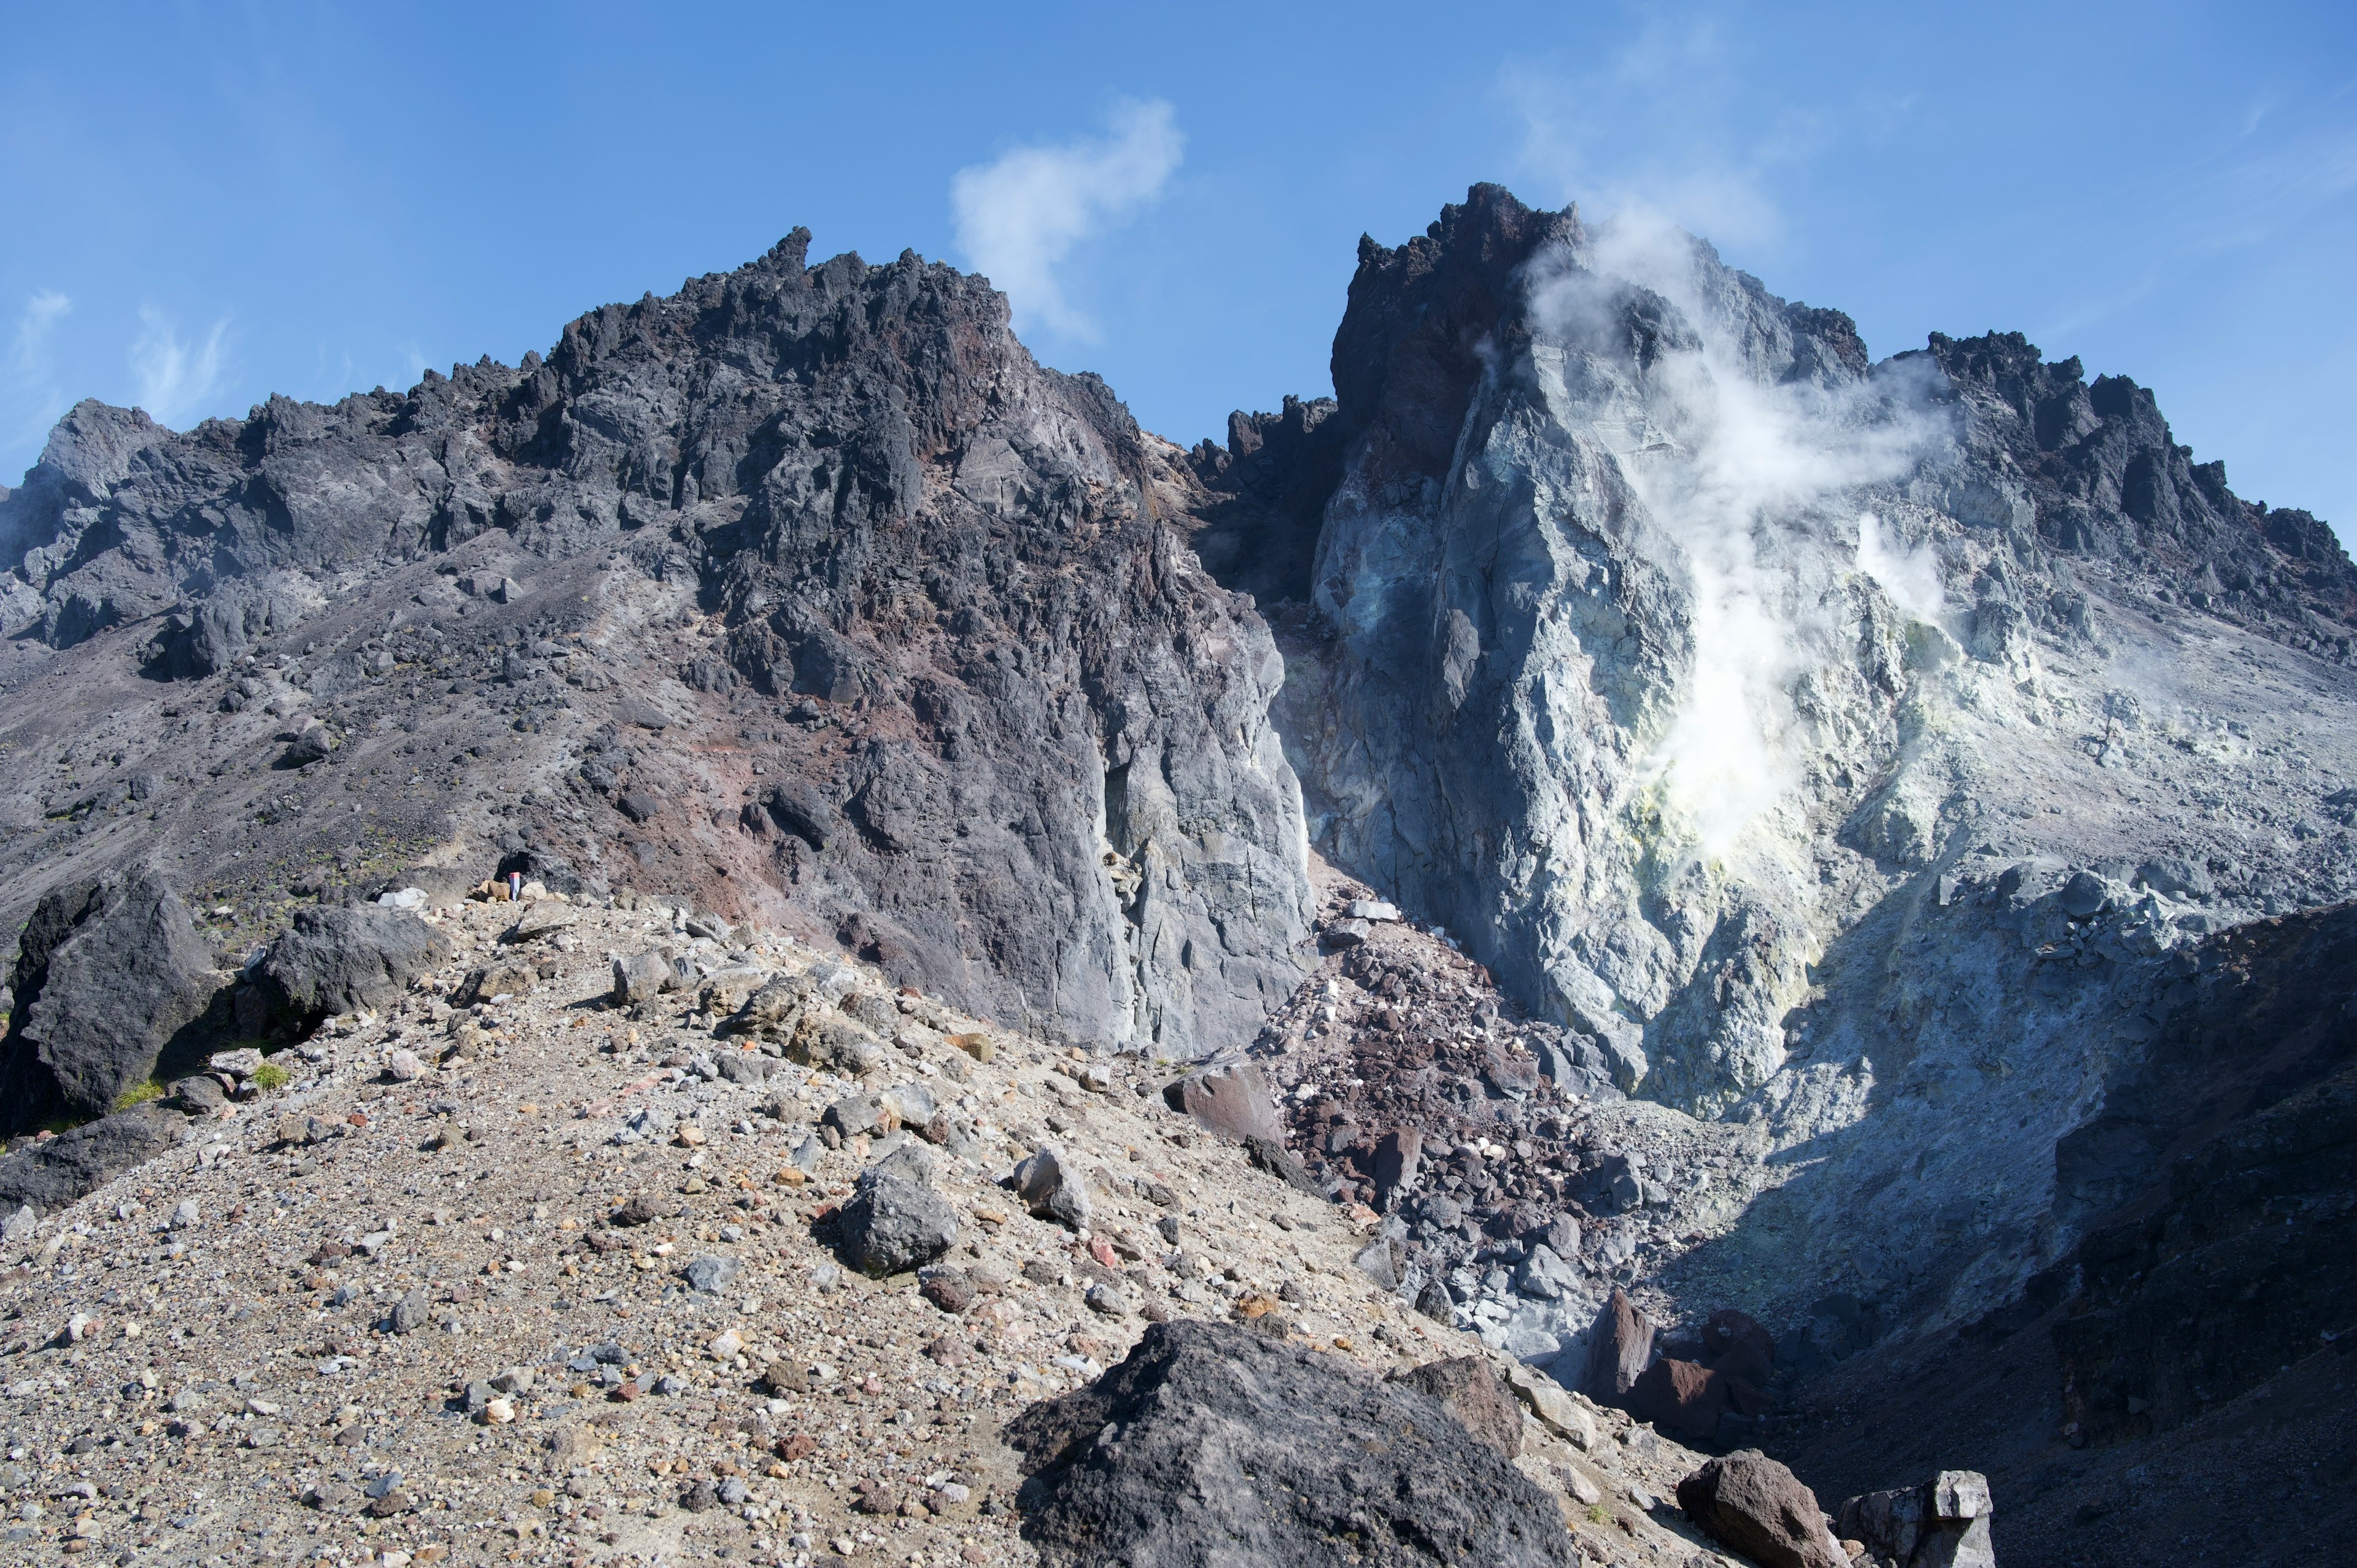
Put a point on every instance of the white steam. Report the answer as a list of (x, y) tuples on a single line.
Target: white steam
[(1753, 482), (1019, 216), (1910, 576), (174, 381)]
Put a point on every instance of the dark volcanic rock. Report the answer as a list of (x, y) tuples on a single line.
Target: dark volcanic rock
[(107, 972), (54, 1173), (1213, 1444), (1751, 1503), (343, 959), (894, 1223), (833, 517)]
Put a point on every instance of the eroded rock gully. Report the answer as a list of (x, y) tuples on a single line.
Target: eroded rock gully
[(1809, 884)]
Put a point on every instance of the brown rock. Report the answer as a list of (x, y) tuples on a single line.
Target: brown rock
[(1753, 1504), (1682, 1399), (1736, 1345), (1231, 1100), (1398, 1153), (1468, 1390), (1617, 1348), (948, 1289)]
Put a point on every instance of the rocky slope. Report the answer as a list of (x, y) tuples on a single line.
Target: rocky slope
[(805, 590), (558, 1276)]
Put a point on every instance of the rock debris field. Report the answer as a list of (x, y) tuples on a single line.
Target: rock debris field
[(552, 1261)]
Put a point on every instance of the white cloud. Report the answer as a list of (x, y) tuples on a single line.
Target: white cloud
[(30, 398), (175, 379), (1019, 216), (1672, 125)]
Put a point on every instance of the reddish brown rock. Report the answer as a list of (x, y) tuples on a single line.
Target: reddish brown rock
[(1618, 1346), (1681, 1399), (1398, 1153), (1468, 1390), (1736, 1345), (1753, 1504), (1232, 1101)]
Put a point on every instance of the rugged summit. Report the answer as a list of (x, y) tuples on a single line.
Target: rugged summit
[(1838, 746), (1824, 867), (807, 583)]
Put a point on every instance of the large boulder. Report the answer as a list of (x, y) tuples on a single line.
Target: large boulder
[(1231, 1100), (1213, 1444), (1686, 1399), (107, 972), (894, 1220), (1618, 1348), (1052, 1187), (342, 959), (51, 1174), (1755, 1505), (1398, 1154)]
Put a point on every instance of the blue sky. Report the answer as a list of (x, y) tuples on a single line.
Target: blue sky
[(204, 205)]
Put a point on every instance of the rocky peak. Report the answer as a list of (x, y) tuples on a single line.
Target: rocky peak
[(846, 487), (2108, 481)]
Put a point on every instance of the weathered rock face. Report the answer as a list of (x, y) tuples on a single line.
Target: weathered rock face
[(1838, 747), (1214, 1444), (804, 591), (107, 972)]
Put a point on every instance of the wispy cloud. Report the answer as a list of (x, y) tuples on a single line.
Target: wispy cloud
[(30, 398), (174, 381), (1667, 127), (1019, 216)]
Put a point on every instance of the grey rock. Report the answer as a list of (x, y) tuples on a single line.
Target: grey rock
[(1271, 1155), (1943, 1523), (984, 836), (641, 977), (48, 1175), (1546, 1274), (345, 959), (108, 972), (710, 1274), (893, 1224), (855, 1114), (1382, 1261), (2084, 896), (409, 1313), (1168, 1457), (1052, 1188)]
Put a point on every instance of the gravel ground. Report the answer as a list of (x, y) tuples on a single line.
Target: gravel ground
[(378, 1317)]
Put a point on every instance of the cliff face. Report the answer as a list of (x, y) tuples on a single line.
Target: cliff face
[(1845, 747), (804, 590)]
